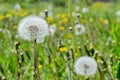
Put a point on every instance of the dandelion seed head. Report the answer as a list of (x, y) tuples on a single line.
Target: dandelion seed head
[(79, 29), (85, 10), (33, 27), (17, 7), (118, 13), (85, 66)]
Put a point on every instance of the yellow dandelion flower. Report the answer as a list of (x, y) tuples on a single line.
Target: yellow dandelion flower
[(62, 49), (8, 15), (50, 19), (15, 27), (40, 66), (1, 17), (24, 14), (65, 20), (63, 16), (104, 21), (61, 28), (69, 36)]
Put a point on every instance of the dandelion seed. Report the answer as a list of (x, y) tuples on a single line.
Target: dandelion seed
[(85, 66), (33, 27), (79, 29)]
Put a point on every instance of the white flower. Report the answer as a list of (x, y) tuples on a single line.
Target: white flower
[(79, 29), (33, 27), (17, 7), (85, 66), (118, 13), (52, 29), (85, 10)]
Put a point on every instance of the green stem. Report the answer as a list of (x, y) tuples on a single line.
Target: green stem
[(36, 70)]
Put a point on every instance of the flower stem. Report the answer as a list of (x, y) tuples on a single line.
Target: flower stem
[(18, 64), (36, 70)]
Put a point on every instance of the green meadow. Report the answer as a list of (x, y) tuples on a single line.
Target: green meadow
[(57, 53)]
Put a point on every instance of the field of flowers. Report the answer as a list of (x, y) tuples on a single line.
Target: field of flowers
[(55, 40)]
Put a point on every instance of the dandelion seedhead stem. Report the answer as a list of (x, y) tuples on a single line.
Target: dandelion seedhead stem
[(36, 70)]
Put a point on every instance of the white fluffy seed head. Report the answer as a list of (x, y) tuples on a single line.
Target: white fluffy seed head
[(17, 7), (33, 27), (118, 13), (85, 10), (85, 66), (79, 29)]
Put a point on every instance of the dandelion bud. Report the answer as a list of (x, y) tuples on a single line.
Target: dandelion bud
[(27, 54), (73, 57), (87, 51), (111, 60), (1, 69), (70, 28), (46, 13), (16, 45), (3, 78), (103, 61), (92, 51), (78, 15)]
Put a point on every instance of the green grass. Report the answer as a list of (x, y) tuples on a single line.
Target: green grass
[(99, 36)]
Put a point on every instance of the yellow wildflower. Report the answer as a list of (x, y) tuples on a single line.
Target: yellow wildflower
[(1, 17), (69, 36), (104, 21), (40, 66), (50, 19), (61, 28), (15, 27), (8, 15), (65, 20), (24, 14), (63, 16), (63, 49)]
